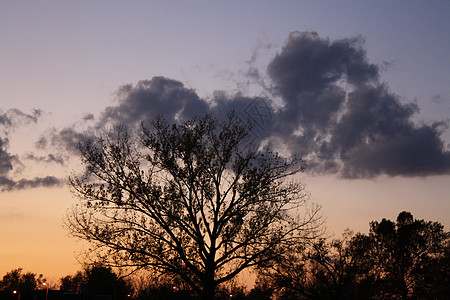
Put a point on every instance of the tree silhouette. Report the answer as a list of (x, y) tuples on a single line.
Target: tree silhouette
[(96, 280), (405, 259), (324, 269), (22, 283), (188, 201), (73, 283), (16, 280), (407, 256)]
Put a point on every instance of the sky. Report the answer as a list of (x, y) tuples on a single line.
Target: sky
[(359, 89)]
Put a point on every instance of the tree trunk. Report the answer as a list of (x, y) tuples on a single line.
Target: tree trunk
[(209, 286), (208, 292)]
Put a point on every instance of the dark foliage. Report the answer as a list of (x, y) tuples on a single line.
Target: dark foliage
[(97, 281), (406, 259), (15, 283)]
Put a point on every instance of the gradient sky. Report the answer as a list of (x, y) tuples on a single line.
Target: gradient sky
[(361, 88)]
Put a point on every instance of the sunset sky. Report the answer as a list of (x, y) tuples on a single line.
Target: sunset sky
[(359, 89)]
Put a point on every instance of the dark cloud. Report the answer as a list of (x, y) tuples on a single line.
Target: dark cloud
[(48, 181), (310, 63), (161, 96), (88, 117), (8, 121), (151, 98), (9, 162), (61, 144), (49, 158), (6, 159), (14, 117), (335, 112), (308, 74), (377, 136), (6, 184), (68, 139)]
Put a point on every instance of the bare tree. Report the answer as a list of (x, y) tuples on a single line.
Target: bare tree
[(186, 200)]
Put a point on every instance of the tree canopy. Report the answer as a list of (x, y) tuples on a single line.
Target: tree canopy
[(16, 280), (96, 280), (188, 200), (403, 259), (408, 257)]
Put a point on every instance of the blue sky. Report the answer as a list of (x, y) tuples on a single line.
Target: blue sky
[(68, 59)]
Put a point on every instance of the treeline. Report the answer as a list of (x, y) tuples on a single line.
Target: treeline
[(402, 259)]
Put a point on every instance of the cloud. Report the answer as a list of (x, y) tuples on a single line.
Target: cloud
[(14, 117), (61, 144), (334, 111), (67, 139), (322, 100), (9, 162), (49, 158), (47, 181), (6, 159), (7, 184), (151, 98), (377, 136), (339, 114), (88, 117), (8, 121), (308, 62)]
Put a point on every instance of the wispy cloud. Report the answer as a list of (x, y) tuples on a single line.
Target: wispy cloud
[(49, 158), (6, 159), (8, 162), (7, 184), (14, 117)]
